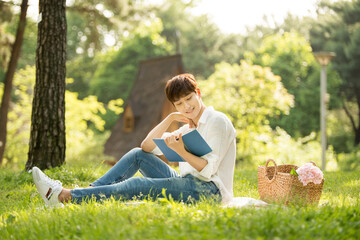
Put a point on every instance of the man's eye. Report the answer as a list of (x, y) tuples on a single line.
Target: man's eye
[(189, 98), (177, 104)]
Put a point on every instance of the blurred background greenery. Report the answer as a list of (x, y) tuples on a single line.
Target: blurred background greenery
[(265, 79)]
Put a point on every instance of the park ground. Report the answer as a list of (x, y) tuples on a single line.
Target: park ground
[(24, 216)]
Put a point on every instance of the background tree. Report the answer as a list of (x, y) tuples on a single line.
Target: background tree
[(249, 95), (338, 29), (5, 103), (28, 50), (290, 56), (91, 22), (8, 29), (94, 28), (117, 69), (198, 39), (47, 138), (6, 38), (84, 126)]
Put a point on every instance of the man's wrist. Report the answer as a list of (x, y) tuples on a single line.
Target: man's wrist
[(182, 152), (170, 117)]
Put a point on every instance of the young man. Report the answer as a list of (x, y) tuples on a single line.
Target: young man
[(208, 176)]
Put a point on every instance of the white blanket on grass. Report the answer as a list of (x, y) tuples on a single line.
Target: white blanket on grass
[(239, 202)]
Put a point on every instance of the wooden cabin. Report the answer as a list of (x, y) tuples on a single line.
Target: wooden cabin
[(146, 105)]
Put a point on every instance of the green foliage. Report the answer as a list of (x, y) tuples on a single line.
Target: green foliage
[(249, 95), (337, 29), (82, 120), (23, 215), (284, 149), (6, 37), (290, 56), (19, 117), (117, 70), (341, 138), (79, 114), (6, 12), (81, 70), (197, 38), (90, 23), (350, 161), (76, 36), (96, 31), (6, 40), (28, 49)]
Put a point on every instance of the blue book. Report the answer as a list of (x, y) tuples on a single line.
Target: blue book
[(194, 143)]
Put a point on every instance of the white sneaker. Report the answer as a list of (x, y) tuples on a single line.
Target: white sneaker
[(49, 189)]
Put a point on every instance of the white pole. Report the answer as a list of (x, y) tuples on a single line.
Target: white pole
[(323, 115)]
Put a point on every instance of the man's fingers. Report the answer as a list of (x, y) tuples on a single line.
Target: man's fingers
[(180, 138)]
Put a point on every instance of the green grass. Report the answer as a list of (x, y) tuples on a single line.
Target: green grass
[(23, 215)]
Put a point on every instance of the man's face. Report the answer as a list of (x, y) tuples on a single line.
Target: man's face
[(189, 105)]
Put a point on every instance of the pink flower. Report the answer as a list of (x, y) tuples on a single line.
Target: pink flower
[(309, 173)]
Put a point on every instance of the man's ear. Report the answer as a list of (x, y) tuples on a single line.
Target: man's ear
[(198, 92)]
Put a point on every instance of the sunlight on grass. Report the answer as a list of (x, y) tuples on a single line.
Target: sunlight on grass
[(24, 216)]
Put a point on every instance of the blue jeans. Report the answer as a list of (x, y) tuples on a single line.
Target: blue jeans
[(119, 182)]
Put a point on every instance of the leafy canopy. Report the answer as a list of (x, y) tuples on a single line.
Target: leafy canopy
[(290, 56), (338, 29), (248, 94), (117, 69)]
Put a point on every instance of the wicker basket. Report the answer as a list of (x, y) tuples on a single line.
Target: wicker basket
[(277, 185)]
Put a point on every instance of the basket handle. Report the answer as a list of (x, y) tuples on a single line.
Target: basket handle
[(313, 163), (275, 165)]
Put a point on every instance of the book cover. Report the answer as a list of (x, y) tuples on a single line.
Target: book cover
[(194, 143)]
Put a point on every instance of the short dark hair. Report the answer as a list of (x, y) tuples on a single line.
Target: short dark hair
[(180, 86)]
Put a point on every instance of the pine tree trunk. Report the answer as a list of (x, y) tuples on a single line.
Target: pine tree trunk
[(5, 103), (47, 138)]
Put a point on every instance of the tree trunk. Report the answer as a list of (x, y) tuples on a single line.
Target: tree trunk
[(357, 137), (357, 129), (5, 103), (47, 138)]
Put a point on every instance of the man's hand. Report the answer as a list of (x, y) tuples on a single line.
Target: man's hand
[(175, 143), (181, 118)]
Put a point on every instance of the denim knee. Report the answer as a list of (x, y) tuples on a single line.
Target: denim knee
[(135, 150), (139, 152)]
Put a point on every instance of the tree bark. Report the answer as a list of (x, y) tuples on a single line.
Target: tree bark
[(5, 103), (357, 129), (47, 137)]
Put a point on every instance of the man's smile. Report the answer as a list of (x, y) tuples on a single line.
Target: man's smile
[(190, 110)]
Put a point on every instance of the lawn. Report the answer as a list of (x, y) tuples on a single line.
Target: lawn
[(23, 215)]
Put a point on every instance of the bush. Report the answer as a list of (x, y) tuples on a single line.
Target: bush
[(279, 145)]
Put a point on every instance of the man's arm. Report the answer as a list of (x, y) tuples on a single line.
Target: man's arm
[(177, 145), (148, 144)]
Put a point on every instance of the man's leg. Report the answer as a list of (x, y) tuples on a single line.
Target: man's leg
[(148, 164), (186, 189)]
